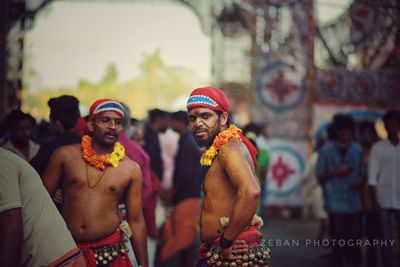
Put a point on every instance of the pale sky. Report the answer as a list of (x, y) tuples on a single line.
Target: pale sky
[(328, 10), (73, 40)]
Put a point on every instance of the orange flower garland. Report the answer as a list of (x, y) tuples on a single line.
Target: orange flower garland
[(222, 138), (101, 161)]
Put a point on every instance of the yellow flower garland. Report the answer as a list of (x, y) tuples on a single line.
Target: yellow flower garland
[(100, 161), (222, 138)]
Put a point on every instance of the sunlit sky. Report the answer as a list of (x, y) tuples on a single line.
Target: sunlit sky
[(72, 41)]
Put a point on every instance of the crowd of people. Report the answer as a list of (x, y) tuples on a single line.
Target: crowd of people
[(356, 188), (104, 190), (107, 190)]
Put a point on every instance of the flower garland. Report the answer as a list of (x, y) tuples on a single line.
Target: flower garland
[(222, 138), (100, 161)]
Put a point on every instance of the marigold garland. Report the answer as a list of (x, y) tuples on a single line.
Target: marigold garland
[(101, 161), (222, 138)]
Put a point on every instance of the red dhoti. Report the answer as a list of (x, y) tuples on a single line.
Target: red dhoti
[(181, 228), (109, 251)]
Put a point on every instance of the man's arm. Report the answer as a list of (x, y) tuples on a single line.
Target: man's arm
[(134, 216), (323, 174), (11, 235), (241, 175), (52, 176)]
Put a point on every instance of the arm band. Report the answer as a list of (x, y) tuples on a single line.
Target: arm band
[(225, 243)]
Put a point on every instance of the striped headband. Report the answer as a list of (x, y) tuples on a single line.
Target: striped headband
[(104, 105), (208, 97)]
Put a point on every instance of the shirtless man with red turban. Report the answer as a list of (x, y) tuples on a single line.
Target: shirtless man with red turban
[(95, 176), (228, 225)]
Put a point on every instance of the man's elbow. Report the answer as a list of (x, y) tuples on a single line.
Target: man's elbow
[(254, 193)]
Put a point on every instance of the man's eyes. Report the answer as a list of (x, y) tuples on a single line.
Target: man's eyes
[(204, 116), (192, 118), (108, 120)]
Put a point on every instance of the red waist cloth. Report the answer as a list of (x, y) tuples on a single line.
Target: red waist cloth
[(252, 237), (115, 238)]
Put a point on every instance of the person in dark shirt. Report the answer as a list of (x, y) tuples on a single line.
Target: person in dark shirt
[(64, 114), (181, 228), (158, 123)]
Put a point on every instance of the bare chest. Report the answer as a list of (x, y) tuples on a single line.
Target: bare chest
[(217, 186), (82, 176)]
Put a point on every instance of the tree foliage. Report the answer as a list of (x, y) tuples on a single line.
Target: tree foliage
[(157, 85)]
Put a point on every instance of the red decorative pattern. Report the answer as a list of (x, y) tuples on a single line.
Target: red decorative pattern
[(281, 171), (281, 87)]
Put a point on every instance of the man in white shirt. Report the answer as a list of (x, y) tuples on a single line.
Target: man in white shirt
[(384, 179)]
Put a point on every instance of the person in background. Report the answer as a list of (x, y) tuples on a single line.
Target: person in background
[(367, 136), (32, 232), (384, 180), (158, 123), (339, 169), (228, 222), (181, 227), (64, 114), (20, 128), (95, 176), (135, 131), (252, 131), (44, 133), (136, 153)]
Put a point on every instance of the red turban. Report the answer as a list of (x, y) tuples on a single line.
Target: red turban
[(103, 105), (208, 97)]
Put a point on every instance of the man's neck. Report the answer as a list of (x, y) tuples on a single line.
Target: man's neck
[(101, 149)]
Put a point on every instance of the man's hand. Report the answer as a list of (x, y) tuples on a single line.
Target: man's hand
[(236, 251)]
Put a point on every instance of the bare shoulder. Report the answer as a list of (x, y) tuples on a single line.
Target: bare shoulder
[(131, 167), (232, 149), (68, 151)]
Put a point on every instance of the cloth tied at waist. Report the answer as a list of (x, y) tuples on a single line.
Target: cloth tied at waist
[(210, 253), (109, 251)]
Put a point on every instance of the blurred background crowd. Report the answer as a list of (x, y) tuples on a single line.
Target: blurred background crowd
[(313, 83)]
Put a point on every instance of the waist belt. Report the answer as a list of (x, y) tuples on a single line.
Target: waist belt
[(106, 254), (257, 255)]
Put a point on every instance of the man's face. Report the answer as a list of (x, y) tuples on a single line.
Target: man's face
[(22, 132), (205, 124), (174, 124), (367, 137), (344, 137), (106, 128), (164, 124)]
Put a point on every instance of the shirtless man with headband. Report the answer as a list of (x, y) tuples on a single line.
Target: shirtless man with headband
[(96, 176), (228, 225)]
